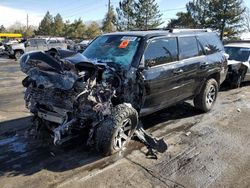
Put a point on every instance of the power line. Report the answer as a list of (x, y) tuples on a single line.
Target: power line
[(168, 10), (77, 12)]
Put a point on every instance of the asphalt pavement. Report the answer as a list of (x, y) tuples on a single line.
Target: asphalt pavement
[(204, 150)]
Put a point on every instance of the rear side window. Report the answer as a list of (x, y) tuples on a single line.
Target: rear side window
[(188, 47), (160, 51), (211, 43)]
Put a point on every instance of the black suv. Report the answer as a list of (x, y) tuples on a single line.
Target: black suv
[(119, 78)]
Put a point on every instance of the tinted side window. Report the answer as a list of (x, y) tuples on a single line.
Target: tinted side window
[(161, 51), (32, 42), (188, 47), (211, 43)]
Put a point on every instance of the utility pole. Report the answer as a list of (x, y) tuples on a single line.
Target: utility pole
[(109, 6), (27, 22)]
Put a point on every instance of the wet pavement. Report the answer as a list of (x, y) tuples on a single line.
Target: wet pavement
[(204, 150)]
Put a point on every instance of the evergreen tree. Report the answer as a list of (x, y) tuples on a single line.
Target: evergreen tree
[(58, 25), (147, 14), (93, 30), (226, 15), (46, 25), (77, 30), (199, 11), (108, 24), (125, 15), (183, 20), (67, 29)]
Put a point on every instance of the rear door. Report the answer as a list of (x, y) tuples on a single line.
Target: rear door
[(215, 56), (162, 78), (191, 57)]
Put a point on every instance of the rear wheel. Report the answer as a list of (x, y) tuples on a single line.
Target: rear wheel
[(18, 54), (115, 131), (206, 98), (236, 81)]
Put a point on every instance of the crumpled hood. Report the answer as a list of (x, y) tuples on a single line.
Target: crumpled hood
[(234, 62), (47, 71)]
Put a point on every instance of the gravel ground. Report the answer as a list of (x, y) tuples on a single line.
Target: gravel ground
[(204, 150)]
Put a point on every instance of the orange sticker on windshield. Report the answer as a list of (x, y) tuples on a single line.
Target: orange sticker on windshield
[(124, 44)]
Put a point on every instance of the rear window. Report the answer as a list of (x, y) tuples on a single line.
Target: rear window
[(188, 47), (211, 43), (34, 42)]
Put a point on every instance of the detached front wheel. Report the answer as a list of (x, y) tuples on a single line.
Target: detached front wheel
[(205, 100), (115, 131)]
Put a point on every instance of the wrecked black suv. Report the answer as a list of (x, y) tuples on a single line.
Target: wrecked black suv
[(120, 77)]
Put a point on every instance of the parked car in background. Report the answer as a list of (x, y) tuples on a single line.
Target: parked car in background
[(238, 62), (118, 78), (70, 44), (80, 47), (6, 42), (34, 44), (1, 48)]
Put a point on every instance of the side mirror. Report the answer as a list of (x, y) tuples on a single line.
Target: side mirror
[(27, 44), (150, 63), (207, 49)]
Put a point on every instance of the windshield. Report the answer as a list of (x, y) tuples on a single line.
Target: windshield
[(238, 53), (117, 49)]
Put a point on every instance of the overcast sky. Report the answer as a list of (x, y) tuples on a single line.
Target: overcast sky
[(88, 10)]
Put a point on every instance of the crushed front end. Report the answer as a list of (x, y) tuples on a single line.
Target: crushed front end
[(69, 94), (66, 96)]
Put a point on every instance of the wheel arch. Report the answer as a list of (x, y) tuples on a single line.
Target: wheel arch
[(215, 75)]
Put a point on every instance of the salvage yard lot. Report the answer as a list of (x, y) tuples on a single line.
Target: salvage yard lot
[(204, 150)]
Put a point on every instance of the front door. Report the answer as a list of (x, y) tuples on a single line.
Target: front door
[(162, 75)]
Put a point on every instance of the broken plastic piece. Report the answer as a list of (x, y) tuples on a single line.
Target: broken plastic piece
[(151, 142)]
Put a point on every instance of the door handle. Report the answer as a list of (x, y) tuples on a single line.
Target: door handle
[(178, 71), (204, 65)]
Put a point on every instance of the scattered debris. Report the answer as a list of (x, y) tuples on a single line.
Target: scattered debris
[(153, 144), (188, 133)]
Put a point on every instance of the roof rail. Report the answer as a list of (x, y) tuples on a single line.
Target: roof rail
[(152, 29), (235, 41), (174, 30), (189, 30)]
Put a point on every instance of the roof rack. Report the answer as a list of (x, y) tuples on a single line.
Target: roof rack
[(235, 41), (188, 30), (175, 30)]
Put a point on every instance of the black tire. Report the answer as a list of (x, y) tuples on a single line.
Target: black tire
[(205, 100), (122, 121), (18, 54), (11, 56), (236, 81)]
